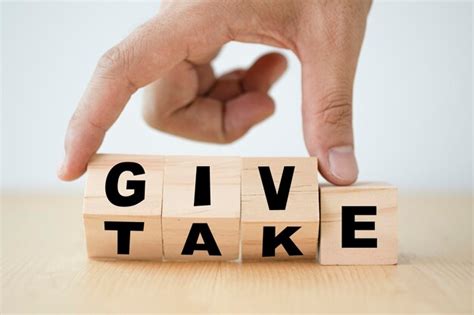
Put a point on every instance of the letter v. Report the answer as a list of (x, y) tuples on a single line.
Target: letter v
[(276, 200)]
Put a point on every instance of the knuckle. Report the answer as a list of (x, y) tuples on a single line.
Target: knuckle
[(156, 121), (113, 60), (336, 110), (229, 134), (79, 119), (227, 138), (114, 65)]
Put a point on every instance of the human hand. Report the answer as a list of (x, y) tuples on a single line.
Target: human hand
[(172, 53)]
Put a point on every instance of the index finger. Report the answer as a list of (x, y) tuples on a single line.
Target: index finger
[(138, 60)]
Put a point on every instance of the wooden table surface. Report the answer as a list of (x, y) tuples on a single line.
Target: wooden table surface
[(45, 269)]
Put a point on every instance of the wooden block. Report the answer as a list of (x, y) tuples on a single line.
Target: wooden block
[(280, 208), (122, 206), (358, 225), (201, 208)]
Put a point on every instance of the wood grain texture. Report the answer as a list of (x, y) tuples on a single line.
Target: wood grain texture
[(102, 244), (97, 209), (95, 199), (305, 239), (302, 204), (384, 198), (301, 209), (45, 269), (222, 215)]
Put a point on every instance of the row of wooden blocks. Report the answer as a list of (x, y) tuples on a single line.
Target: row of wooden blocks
[(226, 208)]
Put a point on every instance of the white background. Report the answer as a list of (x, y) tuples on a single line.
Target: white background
[(413, 94)]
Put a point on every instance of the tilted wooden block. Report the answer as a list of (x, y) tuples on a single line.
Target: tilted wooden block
[(201, 208), (358, 225), (122, 206), (280, 208)]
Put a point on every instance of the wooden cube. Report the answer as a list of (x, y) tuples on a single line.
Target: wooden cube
[(201, 208), (280, 208), (122, 206), (358, 225)]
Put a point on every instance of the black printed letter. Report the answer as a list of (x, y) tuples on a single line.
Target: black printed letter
[(271, 242), (349, 226), (138, 186), (276, 200), (202, 187), (209, 243), (124, 230)]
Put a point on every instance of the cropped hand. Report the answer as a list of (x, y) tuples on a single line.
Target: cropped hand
[(171, 54)]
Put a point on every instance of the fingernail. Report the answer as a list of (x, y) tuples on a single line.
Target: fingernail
[(342, 163)]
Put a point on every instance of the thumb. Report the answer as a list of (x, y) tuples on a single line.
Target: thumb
[(327, 115), (329, 54)]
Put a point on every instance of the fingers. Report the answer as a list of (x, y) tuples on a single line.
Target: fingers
[(245, 111), (236, 101), (264, 72), (173, 107), (227, 86), (177, 89), (259, 77), (141, 58), (211, 120)]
